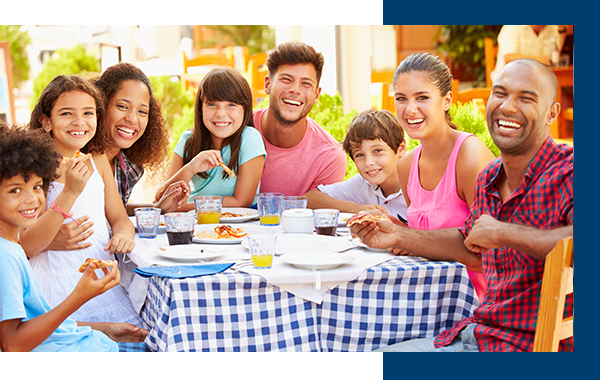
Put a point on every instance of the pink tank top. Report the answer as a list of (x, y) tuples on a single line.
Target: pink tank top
[(441, 207)]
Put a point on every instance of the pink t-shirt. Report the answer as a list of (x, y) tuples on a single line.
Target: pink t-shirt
[(317, 160)]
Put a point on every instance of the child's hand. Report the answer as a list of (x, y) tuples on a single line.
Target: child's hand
[(120, 244), (76, 176), (124, 332), (175, 197), (91, 286), (205, 160)]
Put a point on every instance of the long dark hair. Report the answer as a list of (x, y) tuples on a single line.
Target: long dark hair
[(436, 70), (220, 84)]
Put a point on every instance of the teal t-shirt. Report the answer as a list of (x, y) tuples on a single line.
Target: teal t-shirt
[(252, 146), (21, 297)]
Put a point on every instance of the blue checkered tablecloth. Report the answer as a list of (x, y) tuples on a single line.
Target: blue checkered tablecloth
[(403, 298)]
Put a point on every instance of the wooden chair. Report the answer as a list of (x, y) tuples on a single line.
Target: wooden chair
[(382, 100), (556, 284), (203, 60), (479, 95), (490, 52), (256, 72)]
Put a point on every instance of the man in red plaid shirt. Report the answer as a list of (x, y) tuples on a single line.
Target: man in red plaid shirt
[(523, 206)]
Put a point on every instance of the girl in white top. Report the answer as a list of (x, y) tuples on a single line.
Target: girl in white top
[(69, 109)]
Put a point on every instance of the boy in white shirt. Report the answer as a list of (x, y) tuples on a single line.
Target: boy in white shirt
[(375, 142)]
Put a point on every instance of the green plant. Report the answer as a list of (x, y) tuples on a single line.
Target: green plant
[(18, 42), (173, 100), (258, 38), (76, 61), (181, 124), (464, 45), (467, 118)]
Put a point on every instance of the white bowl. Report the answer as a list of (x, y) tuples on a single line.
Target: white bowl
[(298, 221)]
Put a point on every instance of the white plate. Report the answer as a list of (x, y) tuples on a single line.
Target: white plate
[(344, 216), (210, 228), (162, 228), (189, 252), (363, 245), (247, 214), (316, 260), (289, 243)]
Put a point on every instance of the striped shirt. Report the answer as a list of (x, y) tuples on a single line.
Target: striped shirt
[(507, 317)]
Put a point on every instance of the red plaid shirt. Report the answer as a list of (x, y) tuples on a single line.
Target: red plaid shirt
[(507, 317)]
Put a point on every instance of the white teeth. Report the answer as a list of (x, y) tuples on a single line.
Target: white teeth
[(78, 133), (29, 212), (291, 101), (374, 172), (510, 124), (415, 121), (221, 124), (126, 130)]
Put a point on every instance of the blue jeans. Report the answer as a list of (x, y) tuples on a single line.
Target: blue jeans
[(464, 342)]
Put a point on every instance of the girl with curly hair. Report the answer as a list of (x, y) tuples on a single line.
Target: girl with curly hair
[(137, 133)]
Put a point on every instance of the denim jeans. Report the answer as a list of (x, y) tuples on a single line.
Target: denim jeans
[(464, 342)]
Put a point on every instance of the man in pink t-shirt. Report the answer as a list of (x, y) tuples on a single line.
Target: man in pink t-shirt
[(300, 154)]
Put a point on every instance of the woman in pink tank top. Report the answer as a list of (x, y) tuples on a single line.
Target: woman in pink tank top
[(438, 176)]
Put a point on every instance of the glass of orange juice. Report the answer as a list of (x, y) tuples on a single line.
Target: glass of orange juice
[(208, 209), (270, 207), (262, 249)]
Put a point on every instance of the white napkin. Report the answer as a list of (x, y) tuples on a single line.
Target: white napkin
[(301, 282)]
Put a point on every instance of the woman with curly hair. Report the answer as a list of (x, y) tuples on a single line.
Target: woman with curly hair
[(137, 132)]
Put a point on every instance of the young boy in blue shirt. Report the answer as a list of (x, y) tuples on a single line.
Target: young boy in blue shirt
[(375, 142), (27, 323)]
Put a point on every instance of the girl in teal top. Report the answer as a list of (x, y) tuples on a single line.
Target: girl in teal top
[(223, 133)]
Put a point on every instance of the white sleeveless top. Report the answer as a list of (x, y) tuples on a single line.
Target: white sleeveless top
[(58, 271)]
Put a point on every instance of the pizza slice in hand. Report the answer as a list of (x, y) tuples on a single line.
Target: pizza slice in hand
[(99, 264), (84, 156), (361, 218)]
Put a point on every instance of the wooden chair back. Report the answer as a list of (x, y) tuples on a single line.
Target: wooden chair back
[(257, 70), (203, 60), (557, 283), (478, 95), (490, 52)]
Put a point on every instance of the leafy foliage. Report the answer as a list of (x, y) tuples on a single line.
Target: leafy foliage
[(76, 61), (464, 44), (18, 42), (258, 38)]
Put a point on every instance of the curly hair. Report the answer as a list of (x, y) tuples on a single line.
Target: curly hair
[(51, 93), (372, 125), (151, 150), (27, 152)]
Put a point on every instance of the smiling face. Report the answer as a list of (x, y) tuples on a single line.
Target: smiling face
[(520, 110), (21, 203), (72, 121), (376, 162), (127, 114), (293, 91), (420, 107), (222, 119)]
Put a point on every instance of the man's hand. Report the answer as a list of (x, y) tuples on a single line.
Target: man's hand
[(376, 235), (483, 235)]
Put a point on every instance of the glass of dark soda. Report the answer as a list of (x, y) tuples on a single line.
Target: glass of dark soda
[(180, 227)]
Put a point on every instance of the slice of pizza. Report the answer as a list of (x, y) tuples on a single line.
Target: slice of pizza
[(84, 157), (99, 264), (227, 170), (360, 218)]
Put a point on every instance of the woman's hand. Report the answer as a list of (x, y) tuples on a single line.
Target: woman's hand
[(174, 198), (72, 236)]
